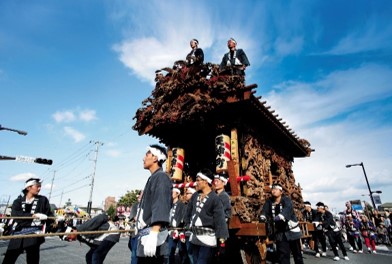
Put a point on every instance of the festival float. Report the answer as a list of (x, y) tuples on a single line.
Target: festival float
[(212, 119)]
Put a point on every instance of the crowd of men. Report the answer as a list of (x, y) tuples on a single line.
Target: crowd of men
[(362, 232)]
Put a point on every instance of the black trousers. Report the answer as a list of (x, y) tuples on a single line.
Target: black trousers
[(319, 236), (335, 239), (97, 254), (284, 248), (150, 260), (32, 255)]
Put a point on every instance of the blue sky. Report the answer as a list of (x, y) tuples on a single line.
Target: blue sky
[(75, 72)]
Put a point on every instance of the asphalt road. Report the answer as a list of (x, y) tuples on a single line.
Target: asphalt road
[(60, 252)]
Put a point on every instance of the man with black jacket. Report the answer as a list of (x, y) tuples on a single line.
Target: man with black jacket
[(100, 244), (31, 204), (331, 230), (286, 232), (154, 211), (205, 219), (235, 61)]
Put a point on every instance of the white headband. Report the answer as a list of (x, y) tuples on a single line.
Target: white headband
[(156, 152), (222, 178), (191, 190), (32, 182), (204, 177), (276, 187)]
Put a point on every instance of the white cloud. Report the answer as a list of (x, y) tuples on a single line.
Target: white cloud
[(113, 153), (334, 94), (286, 47), (314, 111), (65, 116), (74, 134), (48, 186), (69, 116), (371, 36), (159, 41), (87, 115), (23, 176)]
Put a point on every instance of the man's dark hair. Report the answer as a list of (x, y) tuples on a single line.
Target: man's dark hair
[(209, 174)]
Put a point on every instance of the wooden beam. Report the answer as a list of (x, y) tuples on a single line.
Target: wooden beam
[(234, 186)]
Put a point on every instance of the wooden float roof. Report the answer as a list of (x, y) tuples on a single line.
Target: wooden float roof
[(216, 112)]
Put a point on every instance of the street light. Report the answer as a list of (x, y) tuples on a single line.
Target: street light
[(367, 182), (20, 132)]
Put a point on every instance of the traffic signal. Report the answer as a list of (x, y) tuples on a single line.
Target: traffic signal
[(43, 161)]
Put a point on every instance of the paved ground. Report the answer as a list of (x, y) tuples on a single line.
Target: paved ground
[(60, 252)]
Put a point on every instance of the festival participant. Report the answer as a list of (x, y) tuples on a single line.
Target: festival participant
[(309, 214), (31, 204), (154, 213), (132, 243), (286, 232), (186, 246), (220, 183), (235, 60), (176, 217), (205, 218), (326, 220), (196, 56), (100, 244)]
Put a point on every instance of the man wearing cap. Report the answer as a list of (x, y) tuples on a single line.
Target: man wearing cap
[(31, 204), (286, 232), (196, 56), (332, 231), (205, 218), (235, 60), (154, 211), (176, 217)]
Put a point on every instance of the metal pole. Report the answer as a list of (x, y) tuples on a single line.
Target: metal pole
[(367, 182), (89, 204), (20, 132), (61, 198), (51, 186), (8, 202)]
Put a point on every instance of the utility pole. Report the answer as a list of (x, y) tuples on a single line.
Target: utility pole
[(51, 186), (90, 201), (61, 198), (6, 206)]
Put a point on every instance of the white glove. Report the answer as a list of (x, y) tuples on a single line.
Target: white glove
[(150, 243), (316, 223), (263, 218), (41, 216)]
